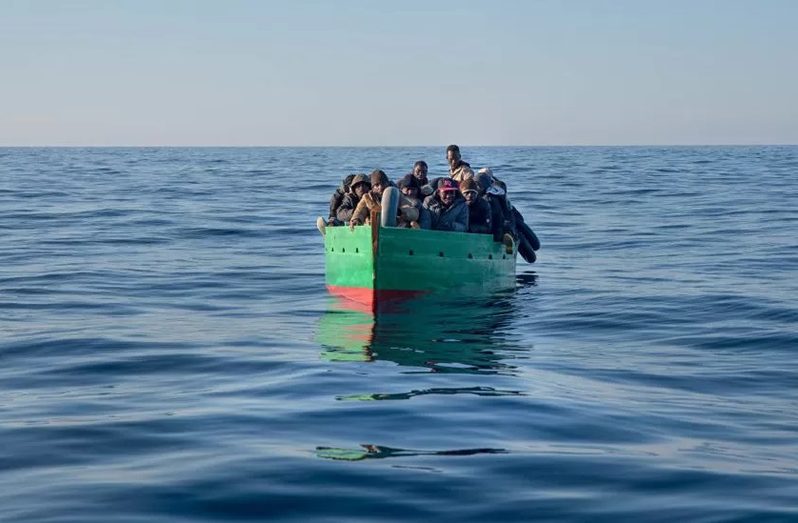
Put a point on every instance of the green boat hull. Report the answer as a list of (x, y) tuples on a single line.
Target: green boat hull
[(369, 263)]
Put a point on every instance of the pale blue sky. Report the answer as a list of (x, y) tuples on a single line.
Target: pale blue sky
[(350, 72)]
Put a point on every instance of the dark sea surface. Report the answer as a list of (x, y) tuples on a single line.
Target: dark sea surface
[(168, 351)]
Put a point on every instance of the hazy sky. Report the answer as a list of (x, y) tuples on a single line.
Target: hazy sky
[(400, 72)]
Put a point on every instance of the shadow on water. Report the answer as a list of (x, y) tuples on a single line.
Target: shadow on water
[(455, 334)]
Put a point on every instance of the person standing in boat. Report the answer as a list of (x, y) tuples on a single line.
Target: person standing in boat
[(359, 186), (372, 202), (479, 210), (458, 169), (448, 212)]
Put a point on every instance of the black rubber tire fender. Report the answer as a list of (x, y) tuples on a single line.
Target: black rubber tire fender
[(526, 230), (525, 250)]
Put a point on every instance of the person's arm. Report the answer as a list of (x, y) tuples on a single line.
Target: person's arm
[(496, 220), (433, 216), (424, 218), (344, 213), (360, 213), (460, 222), (335, 202)]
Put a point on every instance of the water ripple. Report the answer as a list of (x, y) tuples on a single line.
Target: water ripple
[(169, 352)]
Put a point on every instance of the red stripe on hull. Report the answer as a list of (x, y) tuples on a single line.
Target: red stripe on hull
[(370, 297)]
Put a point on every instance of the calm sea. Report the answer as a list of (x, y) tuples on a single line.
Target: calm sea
[(168, 351)]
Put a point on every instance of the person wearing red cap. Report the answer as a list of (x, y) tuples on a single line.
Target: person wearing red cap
[(448, 210)]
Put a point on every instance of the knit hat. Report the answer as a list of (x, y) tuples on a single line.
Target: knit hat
[(359, 178), (468, 185), (379, 177), (447, 184), (408, 180)]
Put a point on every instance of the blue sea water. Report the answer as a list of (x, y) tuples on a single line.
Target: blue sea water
[(168, 351)]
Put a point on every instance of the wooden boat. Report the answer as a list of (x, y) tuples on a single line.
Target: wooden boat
[(379, 262)]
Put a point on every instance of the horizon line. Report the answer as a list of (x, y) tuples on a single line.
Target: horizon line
[(221, 146)]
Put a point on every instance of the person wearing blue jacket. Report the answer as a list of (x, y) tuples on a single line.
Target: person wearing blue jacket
[(448, 210)]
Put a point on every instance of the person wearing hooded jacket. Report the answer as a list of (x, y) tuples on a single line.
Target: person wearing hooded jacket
[(337, 199), (372, 202), (499, 223), (512, 227), (358, 188), (411, 192), (447, 211)]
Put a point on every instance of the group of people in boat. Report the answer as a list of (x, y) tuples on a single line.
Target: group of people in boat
[(463, 201)]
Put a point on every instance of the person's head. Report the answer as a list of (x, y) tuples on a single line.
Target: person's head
[(486, 170), (409, 186), (379, 181), (347, 182), (452, 155), (470, 190), (447, 191), (360, 185), (483, 181), (420, 170)]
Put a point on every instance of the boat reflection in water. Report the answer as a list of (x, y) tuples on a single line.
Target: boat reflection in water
[(432, 334), (439, 333)]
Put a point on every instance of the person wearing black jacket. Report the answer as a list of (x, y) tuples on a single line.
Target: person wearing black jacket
[(499, 225), (480, 218), (360, 186), (420, 170), (338, 198), (512, 221), (410, 188)]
